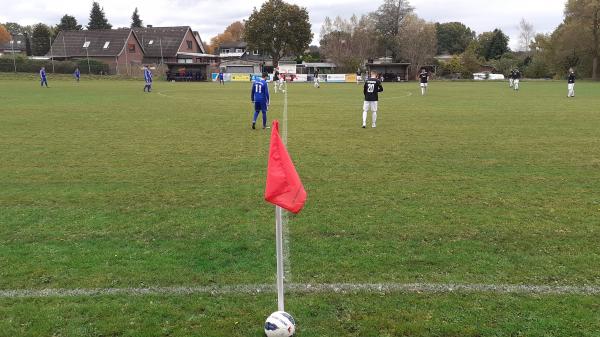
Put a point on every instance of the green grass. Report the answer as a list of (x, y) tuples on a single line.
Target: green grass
[(102, 186)]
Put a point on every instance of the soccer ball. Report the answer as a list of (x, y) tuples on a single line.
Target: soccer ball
[(280, 324)]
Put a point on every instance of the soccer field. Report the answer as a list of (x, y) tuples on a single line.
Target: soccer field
[(106, 190)]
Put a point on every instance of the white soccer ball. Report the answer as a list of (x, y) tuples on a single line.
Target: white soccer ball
[(280, 324)]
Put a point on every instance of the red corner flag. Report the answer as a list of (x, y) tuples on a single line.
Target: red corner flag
[(284, 187)]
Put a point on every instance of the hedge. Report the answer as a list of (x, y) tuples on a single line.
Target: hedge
[(24, 65)]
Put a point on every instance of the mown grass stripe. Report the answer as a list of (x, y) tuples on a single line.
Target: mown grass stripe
[(309, 289)]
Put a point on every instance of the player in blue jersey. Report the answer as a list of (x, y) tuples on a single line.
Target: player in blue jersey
[(77, 74), (260, 97), (43, 78), (221, 77), (148, 79)]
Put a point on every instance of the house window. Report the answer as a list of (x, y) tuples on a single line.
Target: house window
[(131, 47), (225, 51), (189, 43), (151, 42), (106, 44), (239, 50), (86, 44), (256, 52)]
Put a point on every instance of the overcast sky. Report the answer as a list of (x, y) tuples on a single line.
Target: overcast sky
[(210, 17)]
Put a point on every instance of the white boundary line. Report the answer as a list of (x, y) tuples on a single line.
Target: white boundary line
[(339, 288), (408, 94)]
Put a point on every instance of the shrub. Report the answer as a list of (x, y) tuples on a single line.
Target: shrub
[(25, 65)]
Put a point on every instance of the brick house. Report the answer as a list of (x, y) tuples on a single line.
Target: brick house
[(118, 48), (179, 49)]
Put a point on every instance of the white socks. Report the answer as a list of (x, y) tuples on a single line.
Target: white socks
[(374, 118)]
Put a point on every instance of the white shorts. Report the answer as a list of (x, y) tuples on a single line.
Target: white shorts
[(517, 81), (424, 85), (370, 105), (571, 86)]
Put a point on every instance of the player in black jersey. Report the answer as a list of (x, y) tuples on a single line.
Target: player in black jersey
[(276, 77), (516, 79), (424, 79), (371, 90), (511, 78), (571, 83)]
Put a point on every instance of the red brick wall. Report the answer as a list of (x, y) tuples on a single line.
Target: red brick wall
[(130, 61), (183, 48)]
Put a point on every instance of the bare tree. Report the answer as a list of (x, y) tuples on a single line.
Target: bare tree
[(526, 35), (389, 19), (418, 42), (348, 43)]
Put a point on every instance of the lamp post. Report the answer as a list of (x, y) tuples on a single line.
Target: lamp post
[(12, 46)]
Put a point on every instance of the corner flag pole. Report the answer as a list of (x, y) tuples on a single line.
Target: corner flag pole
[(279, 248), (279, 243)]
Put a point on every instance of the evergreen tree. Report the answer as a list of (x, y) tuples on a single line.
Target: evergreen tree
[(498, 45), (136, 22), (40, 39), (68, 22), (97, 18)]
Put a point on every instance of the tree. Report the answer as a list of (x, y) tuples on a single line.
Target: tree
[(313, 54), (506, 63), (584, 17), (470, 61), (388, 23), (97, 18), (498, 45), (492, 45), (570, 47), (4, 35), (16, 28), (364, 38), (336, 43), (41, 39), (453, 37), (526, 35), (136, 22), (233, 33), (279, 29), (453, 67), (68, 22), (348, 43), (418, 42)]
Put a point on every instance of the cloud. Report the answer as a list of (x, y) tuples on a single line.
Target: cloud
[(211, 17)]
